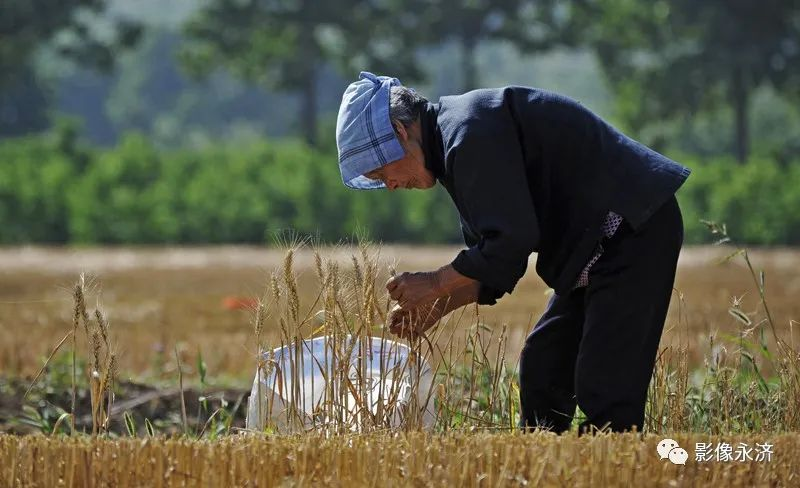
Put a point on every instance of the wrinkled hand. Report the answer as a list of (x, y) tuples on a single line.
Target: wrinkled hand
[(411, 323), (411, 290), (425, 297)]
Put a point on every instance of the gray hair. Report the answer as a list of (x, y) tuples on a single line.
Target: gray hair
[(405, 105)]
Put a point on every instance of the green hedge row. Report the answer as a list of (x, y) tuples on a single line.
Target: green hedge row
[(52, 190), (758, 201)]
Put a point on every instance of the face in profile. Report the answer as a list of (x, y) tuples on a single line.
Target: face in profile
[(410, 171), (403, 174)]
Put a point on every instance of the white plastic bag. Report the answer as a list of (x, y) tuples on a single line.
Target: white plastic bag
[(351, 383)]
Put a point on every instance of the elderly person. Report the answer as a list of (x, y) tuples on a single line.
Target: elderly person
[(532, 171)]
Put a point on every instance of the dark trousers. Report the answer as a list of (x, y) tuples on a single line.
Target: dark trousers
[(596, 346)]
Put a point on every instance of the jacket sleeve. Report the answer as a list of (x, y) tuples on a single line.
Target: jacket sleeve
[(490, 183), (470, 239), (486, 294)]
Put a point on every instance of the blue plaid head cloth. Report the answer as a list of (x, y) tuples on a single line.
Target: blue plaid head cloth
[(365, 137)]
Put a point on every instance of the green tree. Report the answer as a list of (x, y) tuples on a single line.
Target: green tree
[(284, 44), (674, 59), (36, 173), (71, 28), (469, 22)]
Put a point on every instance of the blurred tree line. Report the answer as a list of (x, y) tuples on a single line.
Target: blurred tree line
[(74, 30), (216, 117), (54, 189), (673, 59)]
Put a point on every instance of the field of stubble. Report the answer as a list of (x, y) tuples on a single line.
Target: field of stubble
[(157, 298), (722, 378)]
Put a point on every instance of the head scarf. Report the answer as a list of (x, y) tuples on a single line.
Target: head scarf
[(365, 137)]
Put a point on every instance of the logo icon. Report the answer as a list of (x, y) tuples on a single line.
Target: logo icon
[(678, 455), (669, 449)]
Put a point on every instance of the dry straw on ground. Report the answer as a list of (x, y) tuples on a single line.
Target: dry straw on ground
[(387, 460), (157, 298), (752, 385), (732, 400)]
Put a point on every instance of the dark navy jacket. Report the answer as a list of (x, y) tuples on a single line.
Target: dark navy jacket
[(534, 171)]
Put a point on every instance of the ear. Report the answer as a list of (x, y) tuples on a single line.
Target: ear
[(402, 133)]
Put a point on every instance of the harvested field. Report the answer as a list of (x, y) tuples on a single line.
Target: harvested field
[(391, 460), (185, 324), (157, 298)]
